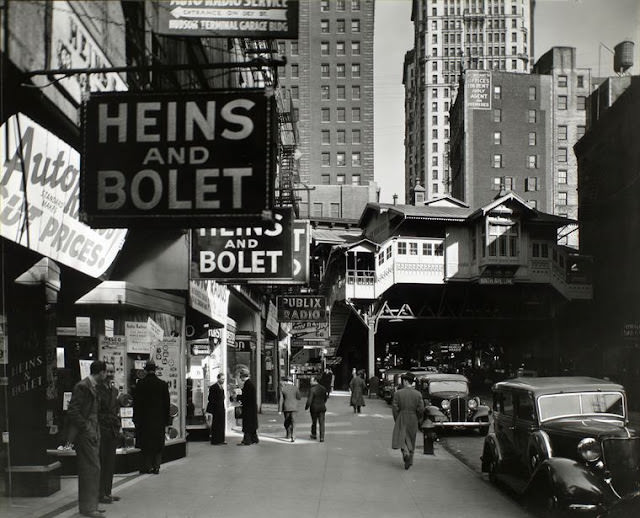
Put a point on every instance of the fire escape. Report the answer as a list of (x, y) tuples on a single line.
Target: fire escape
[(287, 170)]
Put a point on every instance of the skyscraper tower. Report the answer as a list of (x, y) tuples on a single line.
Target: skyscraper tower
[(329, 74), (452, 36)]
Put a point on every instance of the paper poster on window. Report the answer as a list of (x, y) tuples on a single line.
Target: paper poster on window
[(113, 351), (83, 326), (66, 398), (166, 354), (85, 368), (108, 327), (137, 337)]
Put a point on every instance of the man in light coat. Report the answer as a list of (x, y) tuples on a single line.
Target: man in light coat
[(408, 411), (289, 397)]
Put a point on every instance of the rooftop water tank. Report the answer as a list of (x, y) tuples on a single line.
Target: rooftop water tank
[(623, 56)]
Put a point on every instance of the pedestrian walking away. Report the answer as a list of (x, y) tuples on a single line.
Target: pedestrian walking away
[(217, 411), (408, 411), (357, 387), (249, 402), (326, 379), (85, 435), (316, 404), (109, 421), (288, 405), (151, 416)]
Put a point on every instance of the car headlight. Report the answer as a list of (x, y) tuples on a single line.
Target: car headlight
[(445, 404), (472, 404), (589, 449)]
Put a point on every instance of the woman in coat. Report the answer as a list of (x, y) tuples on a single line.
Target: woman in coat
[(357, 387), (408, 410)]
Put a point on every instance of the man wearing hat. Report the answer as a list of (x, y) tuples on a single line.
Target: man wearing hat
[(151, 416), (408, 410), (289, 397)]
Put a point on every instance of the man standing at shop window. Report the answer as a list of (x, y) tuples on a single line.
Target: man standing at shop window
[(216, 409), (151, 416), (83, 416), (249, 402), (109, 420)]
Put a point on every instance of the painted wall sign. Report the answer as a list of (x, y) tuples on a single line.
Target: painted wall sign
[(263, 19), (258, 252), (299, 308), (72, 46), (478, 89), (183, 158), (45, 217)]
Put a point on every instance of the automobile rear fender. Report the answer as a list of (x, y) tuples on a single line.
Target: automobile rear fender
[(433, 412), (570, 481), (491, 447)]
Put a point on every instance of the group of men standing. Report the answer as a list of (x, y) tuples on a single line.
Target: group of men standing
[(94, 429)]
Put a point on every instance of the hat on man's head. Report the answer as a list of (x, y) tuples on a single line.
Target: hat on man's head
[(150, 366)]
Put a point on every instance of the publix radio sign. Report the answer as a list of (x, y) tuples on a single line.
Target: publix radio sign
[(302, 308)]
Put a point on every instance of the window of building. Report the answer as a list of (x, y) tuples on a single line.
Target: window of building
[(497, 115), (355, 26), (434, 174), (295, 92), (296, 114), (562, 154), (341, 70), (562, 102), (497, 161), (295, 71), (317, 209), (562, 176), (562, 132), (388, 253), (533, 92), (514, 64), (509, 184), (496, 183), (580, 80), (434, 188), (325, 115), (532, 138), (341, 48), (532, 161), (341, 137), (341, 94), (324, 5), (355, 159), (532, 116), (355, 114), (580, 131), (326, 160), (355, 92), (325, 92), (427, 248), (355, 48), (438, 249), (497, 137), (497, 92), (324, 48), (355, 136), (340, 26), (355, 70), (294, 48), (413, 248), (334, 210), (562, 198), (325, 27), (325, 70), (355, 179), (355, 5), (562, 81), (434, 133), (326, 137), (434, 160), (402, 248), (582, 103), (340, 5), (325, 179), (531, 183), (341, 115), (434, 106), (434, 147), (282, 47)]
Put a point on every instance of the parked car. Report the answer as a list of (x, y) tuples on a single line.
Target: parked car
[(564, 444), (389, 384), (449, 405)]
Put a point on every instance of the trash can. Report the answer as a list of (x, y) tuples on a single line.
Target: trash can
[(429, 434)]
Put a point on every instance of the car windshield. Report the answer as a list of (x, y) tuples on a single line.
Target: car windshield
[(448, 386), (554, 406)]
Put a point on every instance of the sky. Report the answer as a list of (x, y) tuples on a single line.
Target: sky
[(593, 27)]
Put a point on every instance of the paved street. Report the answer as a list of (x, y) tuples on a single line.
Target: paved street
[(354, 473)]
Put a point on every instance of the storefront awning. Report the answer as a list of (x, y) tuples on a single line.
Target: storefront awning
[(128, 294)]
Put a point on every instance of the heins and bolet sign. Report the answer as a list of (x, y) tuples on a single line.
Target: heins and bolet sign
[(177, 158)]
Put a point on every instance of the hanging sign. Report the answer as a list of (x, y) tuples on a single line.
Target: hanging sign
[(301, 308), (259, 252), (183, 158), (262, 19)]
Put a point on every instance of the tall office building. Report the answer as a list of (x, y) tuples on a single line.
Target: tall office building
[(452, 36), (329, 74)]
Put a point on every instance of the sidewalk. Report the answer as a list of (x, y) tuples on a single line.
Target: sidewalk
[(353, 473)]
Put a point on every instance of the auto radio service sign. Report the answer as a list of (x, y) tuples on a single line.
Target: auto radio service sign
[(182, 159)]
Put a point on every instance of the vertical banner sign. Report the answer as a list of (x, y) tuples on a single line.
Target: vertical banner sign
[(301, 308), (39, 194), (260, 253), (182, 158), (261, 19), (478, 89), (113, 351)]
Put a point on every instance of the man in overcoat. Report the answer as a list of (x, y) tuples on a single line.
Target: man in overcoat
[(109, 420), (249, 402), (357, 387), (288, 405), (83, 417), (316, 404), (216, 407), (151, 416), (408, 411)]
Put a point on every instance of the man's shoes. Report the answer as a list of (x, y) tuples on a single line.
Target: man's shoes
[(293, 439), (155, 471), (242, 443), (98, 513), (321, 440), (145, 471), (314, 437), (114, 498), (105, 500)]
